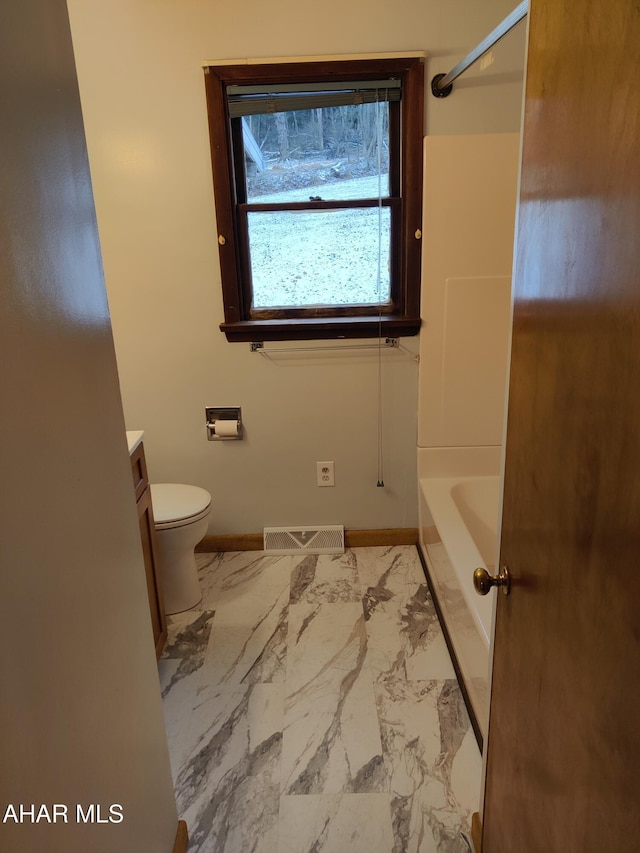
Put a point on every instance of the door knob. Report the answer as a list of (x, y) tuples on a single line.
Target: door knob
[(483, 581)]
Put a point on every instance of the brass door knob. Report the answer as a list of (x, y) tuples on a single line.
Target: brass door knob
[(483, 581)]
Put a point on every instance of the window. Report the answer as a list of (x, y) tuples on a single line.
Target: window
[(317, 173)]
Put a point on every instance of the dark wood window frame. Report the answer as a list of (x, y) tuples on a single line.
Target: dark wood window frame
[(403, 315)]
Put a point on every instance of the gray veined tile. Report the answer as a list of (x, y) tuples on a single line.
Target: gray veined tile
[(243, 820), (177, 708), (335, 823), (184, 652), (248, 821), (426, 734), (466, 777), (179, 672), (208, 563), (248, 639), (228, 787), (265, 717), (331, 738), (321, 579), (241, 577), (386, 573), (374, 563), (220, 741), (405, 639), (323, 640), (279, 736)]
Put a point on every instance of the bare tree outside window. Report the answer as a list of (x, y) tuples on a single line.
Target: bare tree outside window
[(326, 154), (317, 169)]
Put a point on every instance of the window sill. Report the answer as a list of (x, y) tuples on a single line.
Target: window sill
[(321, 329)]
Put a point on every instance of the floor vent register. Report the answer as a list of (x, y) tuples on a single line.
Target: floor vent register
[(319, 539)]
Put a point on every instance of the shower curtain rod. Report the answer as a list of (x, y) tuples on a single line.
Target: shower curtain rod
[(442, 84)]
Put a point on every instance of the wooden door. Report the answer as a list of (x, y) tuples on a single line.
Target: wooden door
[(563, 766)]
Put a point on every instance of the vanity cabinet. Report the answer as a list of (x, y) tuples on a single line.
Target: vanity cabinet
[(147, 537)]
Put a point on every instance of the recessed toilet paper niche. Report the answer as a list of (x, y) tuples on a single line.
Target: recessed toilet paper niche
[(224, 423)]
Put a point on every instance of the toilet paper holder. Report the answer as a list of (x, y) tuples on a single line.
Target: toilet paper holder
[(224, 423)]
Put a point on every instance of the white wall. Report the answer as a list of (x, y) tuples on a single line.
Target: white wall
[(143, 101), (81, 717)]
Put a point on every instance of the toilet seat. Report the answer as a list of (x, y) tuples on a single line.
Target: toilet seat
[(176, 504)]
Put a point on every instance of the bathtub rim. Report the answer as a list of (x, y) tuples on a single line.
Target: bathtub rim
[(463, 463), (462, 550)]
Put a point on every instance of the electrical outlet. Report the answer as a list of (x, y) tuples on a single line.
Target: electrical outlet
[(325, 474)]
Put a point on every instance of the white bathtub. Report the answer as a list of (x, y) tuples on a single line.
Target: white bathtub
[(459, 506)]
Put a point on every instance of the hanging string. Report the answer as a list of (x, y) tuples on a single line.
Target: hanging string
[(380, 483)]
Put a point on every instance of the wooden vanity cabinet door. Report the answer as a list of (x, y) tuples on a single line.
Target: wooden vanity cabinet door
[(147, 538)]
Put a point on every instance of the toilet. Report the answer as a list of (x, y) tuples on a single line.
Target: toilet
[(181, 515)]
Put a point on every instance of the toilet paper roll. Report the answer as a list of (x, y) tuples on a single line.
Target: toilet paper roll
[(227, 428)]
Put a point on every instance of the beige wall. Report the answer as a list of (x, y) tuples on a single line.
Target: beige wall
[(142, 91), (81, 717)]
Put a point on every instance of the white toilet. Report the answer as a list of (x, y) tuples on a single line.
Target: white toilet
[(180, 514)]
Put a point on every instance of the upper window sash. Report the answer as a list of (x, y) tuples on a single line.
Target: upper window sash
[(288, 97)]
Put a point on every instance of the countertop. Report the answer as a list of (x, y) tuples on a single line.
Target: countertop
[(134, 437)]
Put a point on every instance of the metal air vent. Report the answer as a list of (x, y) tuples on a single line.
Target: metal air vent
[(317, 539)]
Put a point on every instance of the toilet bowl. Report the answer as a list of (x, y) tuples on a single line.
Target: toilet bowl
[(180, 514)]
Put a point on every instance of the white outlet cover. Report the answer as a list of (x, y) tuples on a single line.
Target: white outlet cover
[(325, 473)]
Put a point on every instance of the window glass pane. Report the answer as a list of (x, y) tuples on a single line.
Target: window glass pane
[(331, 152), (320, 257)]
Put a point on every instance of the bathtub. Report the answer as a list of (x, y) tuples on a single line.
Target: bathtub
[(459, 492)]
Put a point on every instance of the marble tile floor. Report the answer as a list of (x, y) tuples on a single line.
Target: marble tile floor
[(311, 705)]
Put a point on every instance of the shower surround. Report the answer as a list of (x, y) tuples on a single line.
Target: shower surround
[(471, 187)]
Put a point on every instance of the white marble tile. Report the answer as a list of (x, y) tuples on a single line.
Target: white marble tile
[(177, 708), (331, 739), (248, 638), (242, 819), (316, 710), (241, 577), (424, 725), (179, 672), (466, 774), (218, 730), (323, 637), (335, 823), (325, 579), (228, 787), (388, 572), (187, 639), (405, 639), (265, 717)]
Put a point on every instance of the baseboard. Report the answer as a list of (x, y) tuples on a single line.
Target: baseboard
[(386, 536), (232, 542), (352, 538), (182, 838), (476, 832)]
